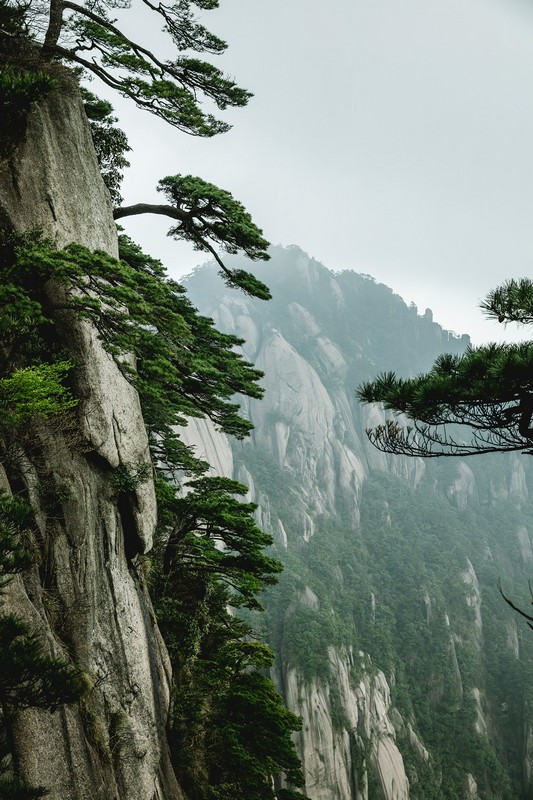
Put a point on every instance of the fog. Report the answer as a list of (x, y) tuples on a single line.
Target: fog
[(392, 137)]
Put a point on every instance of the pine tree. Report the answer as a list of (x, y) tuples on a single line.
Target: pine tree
[(479, 402), (209, 553), (35, 38)]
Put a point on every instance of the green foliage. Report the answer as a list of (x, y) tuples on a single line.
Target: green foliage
[(35, 394), (255, 739), (28, 677), (110, 142), (211, 215), (167, 89), (215, 533), (229, 729), (224, 218), (511, 302), (207, 538), (208, 216), (171, 89), (184, 366), (226, 714), (20, 88), (487, 391), (33, 371)]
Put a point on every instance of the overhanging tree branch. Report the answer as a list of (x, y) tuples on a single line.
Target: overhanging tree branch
[(509, 602), (171, 89), (209, 216), (150, 208), (487, 391)]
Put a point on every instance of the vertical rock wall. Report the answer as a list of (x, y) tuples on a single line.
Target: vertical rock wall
[(86, 596)]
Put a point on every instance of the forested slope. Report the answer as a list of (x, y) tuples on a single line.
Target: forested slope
[(411, 673)]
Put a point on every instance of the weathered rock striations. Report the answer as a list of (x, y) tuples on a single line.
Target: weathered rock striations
[(338, 757), (87, 598), (373, 707)]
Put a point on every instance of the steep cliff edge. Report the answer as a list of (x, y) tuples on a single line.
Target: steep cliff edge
[(409, 672), (86, 595)]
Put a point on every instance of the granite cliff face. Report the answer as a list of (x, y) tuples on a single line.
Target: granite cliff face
[(86, 597), (393, 645)]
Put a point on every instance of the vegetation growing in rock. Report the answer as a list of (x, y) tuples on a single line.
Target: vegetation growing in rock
[(184, 367), (209, 552), (110, 142), (30, 677)]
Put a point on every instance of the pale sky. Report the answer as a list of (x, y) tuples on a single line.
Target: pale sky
[(392, 137)]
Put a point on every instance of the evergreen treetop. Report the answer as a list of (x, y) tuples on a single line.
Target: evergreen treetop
[(479, 402), (87, 38), (87, 35)]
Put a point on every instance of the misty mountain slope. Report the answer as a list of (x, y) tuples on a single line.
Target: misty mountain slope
[(410, 673)]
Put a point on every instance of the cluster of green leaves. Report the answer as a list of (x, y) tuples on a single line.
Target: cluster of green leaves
[(229, 729), (34, 372), (213, 532), (511, 302), (35, 393), (230, 733), (170, 89), (29, 677), (486, 390), (21, 82), (20, 88), (208, 216), (210, 213), (183, 366), (110, 142)]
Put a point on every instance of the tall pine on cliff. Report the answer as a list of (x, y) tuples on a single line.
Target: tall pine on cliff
[(209, 553)]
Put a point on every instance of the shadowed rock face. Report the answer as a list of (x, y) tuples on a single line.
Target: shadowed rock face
[(113, 746)]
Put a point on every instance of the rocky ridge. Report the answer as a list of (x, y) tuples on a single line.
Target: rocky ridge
[(308, 467)]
